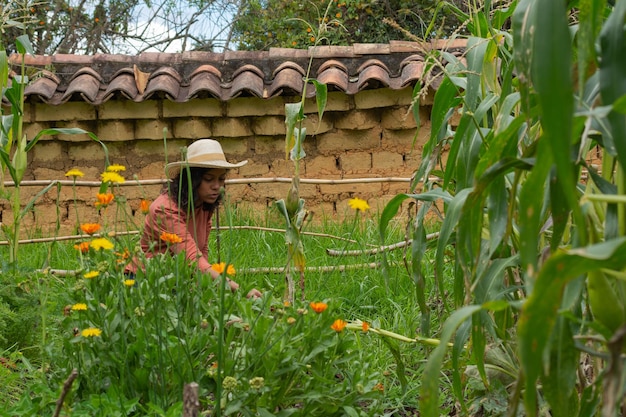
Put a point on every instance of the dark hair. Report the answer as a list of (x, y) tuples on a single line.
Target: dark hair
[(179, 191)]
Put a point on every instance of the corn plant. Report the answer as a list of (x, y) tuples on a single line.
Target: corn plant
[(14, 145), (536, 234), (292, 208)]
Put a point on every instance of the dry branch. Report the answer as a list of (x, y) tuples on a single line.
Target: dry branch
[(404, 243), (258, 270), (67, 385), (43, 183), (134, 232)]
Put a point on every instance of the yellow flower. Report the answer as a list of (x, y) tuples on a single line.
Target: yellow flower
[(220, 267), (101, 243), (144, 206), (76, 173), (90, 228), (129, 282), (116, 168), (91, 332), (91, 274), (103, 199), (318, 307), (112, 177), (291, 320), (358, 204), (170, 237), (83, 247), (338, 325), (79, 307)]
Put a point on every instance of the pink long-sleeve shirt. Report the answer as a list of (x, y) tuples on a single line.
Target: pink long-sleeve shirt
[(165, 216)]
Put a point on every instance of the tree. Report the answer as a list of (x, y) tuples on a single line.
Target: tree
[(118, 26), (284, 23)]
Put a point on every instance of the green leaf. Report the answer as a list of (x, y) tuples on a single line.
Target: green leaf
[(6, 163), (429, 391), (321, 98), (612, 79), (551, 76), (54, 131), (560, 379), (292, 116), (23, 45), (453, 214), (540, 310)]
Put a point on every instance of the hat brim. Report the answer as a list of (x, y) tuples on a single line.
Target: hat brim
[(173, 169)]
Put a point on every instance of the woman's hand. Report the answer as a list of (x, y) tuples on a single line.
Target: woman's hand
[(232, 284), (254, 293)]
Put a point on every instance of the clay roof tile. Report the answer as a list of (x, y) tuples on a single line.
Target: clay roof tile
[(288, 76), (86, 83), (44, 85), (264, 74), (165, 81), (247, 80), (205, 81), (373, 72), (122, 84)]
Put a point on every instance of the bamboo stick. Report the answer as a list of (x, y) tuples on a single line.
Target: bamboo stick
[(374, 251), (134, 232), (80, 183), (254, 270)]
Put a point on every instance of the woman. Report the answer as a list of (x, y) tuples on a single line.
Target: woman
[(180, 219)]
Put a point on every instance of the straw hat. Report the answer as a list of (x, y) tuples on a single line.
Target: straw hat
[(203, 153)]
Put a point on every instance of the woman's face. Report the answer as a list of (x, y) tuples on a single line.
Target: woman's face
[(209, 189)]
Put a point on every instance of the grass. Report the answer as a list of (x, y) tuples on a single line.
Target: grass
[(384, 297)]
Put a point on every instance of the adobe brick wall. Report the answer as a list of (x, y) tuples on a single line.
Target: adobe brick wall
[(370, 134)]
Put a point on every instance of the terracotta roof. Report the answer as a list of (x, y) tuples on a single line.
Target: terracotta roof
[(182, 77)]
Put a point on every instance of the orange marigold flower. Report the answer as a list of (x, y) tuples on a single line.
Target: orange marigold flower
[(378, 387), (338, 15), (221, 267), (90, 228), (312, 39), (144, 206), (365, 325), (170, 237), (83, 247), (104, 199), (338, 325), (318, 307)]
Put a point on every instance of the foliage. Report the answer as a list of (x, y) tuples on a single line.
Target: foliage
[(145, 338), (538, 248), (265, 24)]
